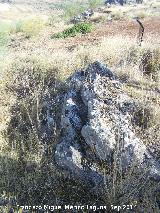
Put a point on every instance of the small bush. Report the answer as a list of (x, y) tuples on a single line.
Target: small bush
[(72, 9), (53, 20), (142, 14), (73, 31), (133, 55), (150, 63), (143, 116), (117, 15), (98, 19)]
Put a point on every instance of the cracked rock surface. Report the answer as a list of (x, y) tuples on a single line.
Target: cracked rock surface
[(96, 126)]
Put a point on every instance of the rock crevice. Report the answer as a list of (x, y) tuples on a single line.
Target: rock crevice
[(96, 125)]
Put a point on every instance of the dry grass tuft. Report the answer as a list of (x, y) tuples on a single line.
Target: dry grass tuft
[(30, 27)]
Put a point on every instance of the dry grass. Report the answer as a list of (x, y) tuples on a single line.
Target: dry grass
[(39, 68), (122, 55), (30, 27)]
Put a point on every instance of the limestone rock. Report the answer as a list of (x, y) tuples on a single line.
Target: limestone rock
[(96, 126), (69, 155), (83, 16)]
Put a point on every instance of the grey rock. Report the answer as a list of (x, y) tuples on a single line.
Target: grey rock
[(104, 133), (109, 125), (70, 158), (82, 17), (86, 14), (68, 153), (122, 2)]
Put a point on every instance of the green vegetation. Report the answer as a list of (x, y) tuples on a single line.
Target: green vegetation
[(72, 9), (73, 31), (30, 27), (75, 7)]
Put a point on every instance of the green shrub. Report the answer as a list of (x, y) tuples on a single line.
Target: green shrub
[(73, 31), (70, 8), (73, 8)]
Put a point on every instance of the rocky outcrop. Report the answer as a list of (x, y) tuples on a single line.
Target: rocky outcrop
[(83, 16), (69, 154), (122, 2), (96, 127)]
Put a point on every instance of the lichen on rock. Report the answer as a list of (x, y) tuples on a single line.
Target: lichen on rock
[(98, 112)]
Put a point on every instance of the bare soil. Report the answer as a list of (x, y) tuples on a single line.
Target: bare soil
[(120, 27)]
